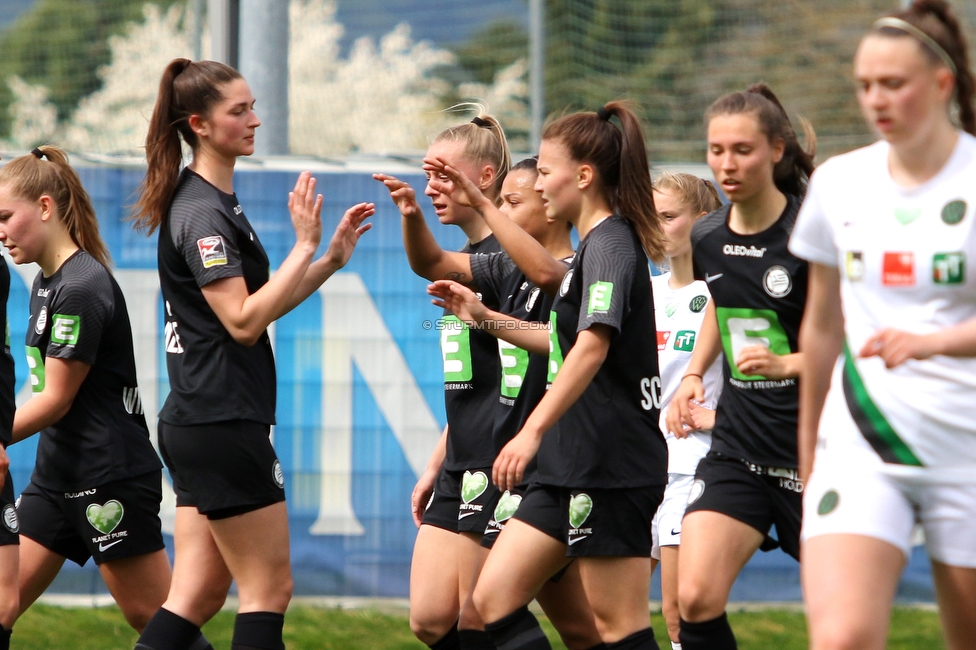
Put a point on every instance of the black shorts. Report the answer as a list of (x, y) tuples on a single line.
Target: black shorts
[(8, 514), (223, 469), (462, 502), (107, 522), (594, 522), (756, 496)]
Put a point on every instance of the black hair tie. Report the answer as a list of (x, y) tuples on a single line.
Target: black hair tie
[(37, 152), (477, 121), (604, 114)]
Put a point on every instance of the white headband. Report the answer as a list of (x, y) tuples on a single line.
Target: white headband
[(898, 23)]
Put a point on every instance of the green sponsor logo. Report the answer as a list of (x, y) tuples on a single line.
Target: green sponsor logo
[(949, 268), (698, 303), (473, 486), (684, 341), (65, 329), (954, 212), (456, 350), (600, 295), (507, 505), (907, 215), (580, 507), (35, 364), (555, 352), (741, 328), (105, 518), (828, 503), (515, 361), (669, 309)]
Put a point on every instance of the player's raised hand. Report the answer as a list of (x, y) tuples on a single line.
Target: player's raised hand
[(460, 300), (306, 210), (348, 232), (402, 194), (451, 182)]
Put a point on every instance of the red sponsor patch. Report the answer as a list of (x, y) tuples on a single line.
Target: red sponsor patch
[(898, 270), (662, 340)]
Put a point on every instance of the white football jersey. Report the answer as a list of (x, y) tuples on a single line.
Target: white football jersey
[(907, 260), (678, 315)]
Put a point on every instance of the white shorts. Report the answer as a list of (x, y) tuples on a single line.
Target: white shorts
[(847, 497), (666, 525)]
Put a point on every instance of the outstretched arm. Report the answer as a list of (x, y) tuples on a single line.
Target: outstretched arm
[(427, 258), (527, 253), (343, 243), (532, 336)]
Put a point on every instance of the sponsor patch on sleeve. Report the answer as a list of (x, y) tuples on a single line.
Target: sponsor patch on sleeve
[(600, 295), (65, 329), (212, 251)]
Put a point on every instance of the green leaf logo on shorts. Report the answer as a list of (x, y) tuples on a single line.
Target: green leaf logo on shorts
[(105, 518), (828, 503), (954, 212), (580, 507), (473, 486), (507, 506)]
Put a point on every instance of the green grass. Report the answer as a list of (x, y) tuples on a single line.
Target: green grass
[(46, 627)]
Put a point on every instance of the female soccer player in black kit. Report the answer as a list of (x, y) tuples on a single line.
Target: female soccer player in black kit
[(602, 461), (96, 486), (231, 519), (748, 480)]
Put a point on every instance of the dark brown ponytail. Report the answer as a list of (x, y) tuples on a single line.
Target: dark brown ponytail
[(31, 177), (792, 173), (187, 88), (937, 21), (620, 160)]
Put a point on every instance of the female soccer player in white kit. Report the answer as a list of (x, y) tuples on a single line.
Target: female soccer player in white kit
[(887, 230)]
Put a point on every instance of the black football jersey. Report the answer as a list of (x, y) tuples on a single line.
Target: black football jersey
[(79, 313), (609, 437), (213, 378), (759, 290), (470, 382)]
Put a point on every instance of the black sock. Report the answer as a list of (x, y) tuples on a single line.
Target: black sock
[(167, 631), (643, 640), (449, 641), (201, 644), (5, 638), (258, 631), (518, 631), (475, 640), (715, 634)]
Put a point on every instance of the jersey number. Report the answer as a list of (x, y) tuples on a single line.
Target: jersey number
[(741, 328), (456, 350)]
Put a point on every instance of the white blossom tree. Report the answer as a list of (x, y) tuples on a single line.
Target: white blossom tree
[(382, 97)]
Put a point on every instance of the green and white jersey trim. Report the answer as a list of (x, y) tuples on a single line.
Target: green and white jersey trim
[(871, 421)]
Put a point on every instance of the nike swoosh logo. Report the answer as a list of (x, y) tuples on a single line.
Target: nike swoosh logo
[(578, 539), (104, 547), (675, 532), (465, 514), (710, 278)]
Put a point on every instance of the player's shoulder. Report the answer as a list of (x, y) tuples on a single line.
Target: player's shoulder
[(195, 202), (83, 275), (708, 225)]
